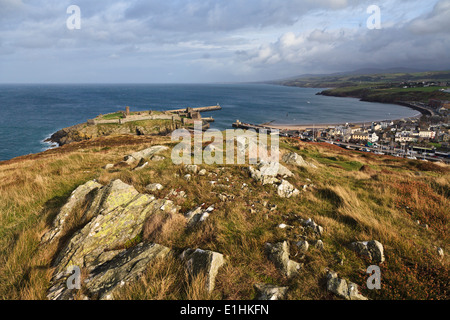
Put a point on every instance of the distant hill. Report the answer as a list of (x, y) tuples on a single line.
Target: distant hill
[(369, 76), (364, 71)]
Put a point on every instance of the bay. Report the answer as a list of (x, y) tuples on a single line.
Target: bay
[(31, 113)]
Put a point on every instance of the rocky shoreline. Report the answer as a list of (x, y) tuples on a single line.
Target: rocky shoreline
[(365, 98)]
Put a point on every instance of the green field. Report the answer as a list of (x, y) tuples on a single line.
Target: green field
[(112, 116)]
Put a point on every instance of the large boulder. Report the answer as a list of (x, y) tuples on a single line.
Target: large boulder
[(373, 250), (203, 261), (279, 254), (112, 221)]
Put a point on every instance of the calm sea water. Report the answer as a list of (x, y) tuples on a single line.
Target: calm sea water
[(31, 113)]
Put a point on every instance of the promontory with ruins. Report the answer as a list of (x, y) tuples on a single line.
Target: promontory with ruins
[(134, 123)]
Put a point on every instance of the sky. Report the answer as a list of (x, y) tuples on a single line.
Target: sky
[(201, 41)]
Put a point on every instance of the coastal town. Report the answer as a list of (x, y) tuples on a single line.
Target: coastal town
[(424, 137)]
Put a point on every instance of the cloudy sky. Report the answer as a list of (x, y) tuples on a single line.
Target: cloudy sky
[(179, 41)]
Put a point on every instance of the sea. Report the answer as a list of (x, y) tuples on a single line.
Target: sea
[(29, 114)]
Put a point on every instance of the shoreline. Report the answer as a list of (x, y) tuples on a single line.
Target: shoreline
[(302, 127)]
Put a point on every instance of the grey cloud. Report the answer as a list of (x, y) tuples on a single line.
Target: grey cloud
[(215, 39), (438, 21), (206, 15)]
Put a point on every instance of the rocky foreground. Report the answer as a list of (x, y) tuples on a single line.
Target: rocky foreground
[(109, 247), (117, 212)]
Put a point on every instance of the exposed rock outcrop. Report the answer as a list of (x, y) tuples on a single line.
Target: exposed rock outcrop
[(373, 250), (294, 159), (342, 288), (311, 225), (267, 172), (112, 219), (84, 131), (279, 254), (201, 261), (287, 190), (127, 266), (76, 200), (144, 154)]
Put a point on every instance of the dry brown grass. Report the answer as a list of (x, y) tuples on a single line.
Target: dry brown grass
[(351, 204), (163, 280), (164, 228), (33, 188)]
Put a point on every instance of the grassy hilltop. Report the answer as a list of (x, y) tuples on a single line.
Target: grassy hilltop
[(377, 86), (353, 196)]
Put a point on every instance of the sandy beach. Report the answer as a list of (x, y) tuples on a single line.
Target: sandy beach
[(302, 127)]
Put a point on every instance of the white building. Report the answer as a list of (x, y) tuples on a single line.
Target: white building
[(427, 134)]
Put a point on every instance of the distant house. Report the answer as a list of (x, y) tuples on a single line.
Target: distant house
[(376, 126), (360, 136), (427, 134), (373, 137)]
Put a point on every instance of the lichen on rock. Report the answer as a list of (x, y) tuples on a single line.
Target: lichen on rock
[(113, 219)]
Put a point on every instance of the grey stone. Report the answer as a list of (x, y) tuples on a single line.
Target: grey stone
[(440, 253), (270, 292), (373, 250), (157, 158), (198, 215), (144, 154), (191, 168), (203, 261), (125, 267), (342, 288), (303, 246), (287, 190), (76, 200), (318, 244), (310, 224), (297, 160), (154, 187), (267, 172), (143, 166), (279, 254), (113, 218)]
